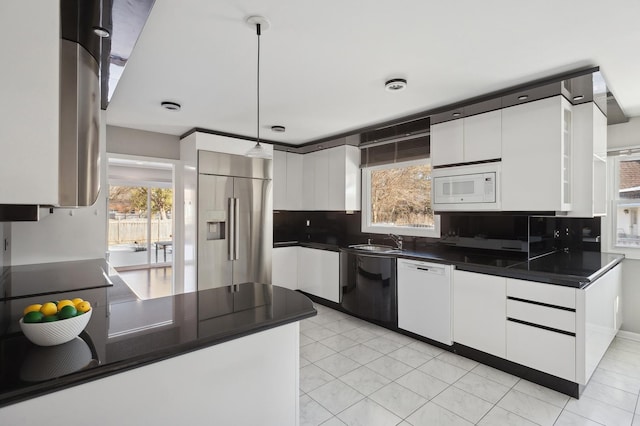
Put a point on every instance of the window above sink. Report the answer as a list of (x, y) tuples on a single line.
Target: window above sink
[(396, 198)]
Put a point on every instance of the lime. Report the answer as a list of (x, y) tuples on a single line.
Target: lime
[(50, 318), (67, 312), (49, 308), (33, 316), (32, 308), (63, 303), (83, 306)]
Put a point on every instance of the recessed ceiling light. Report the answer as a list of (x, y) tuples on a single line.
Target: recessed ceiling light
[(395, 84), (578, 98), (101, 32), (523, 97), (456, 114), (171, 106), (279, 129)]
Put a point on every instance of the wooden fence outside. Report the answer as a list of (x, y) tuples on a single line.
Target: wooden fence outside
[(130, 231)]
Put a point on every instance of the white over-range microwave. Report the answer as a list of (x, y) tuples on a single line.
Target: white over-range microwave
[(474, 187)]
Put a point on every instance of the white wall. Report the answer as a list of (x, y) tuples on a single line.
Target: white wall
[(121, 140), (67, 234), (624, 135)]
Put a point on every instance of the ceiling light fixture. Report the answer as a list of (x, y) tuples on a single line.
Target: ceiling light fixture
[(101, 32), (395, 85), (258, 150), (171, 106), (523, 97), (279, 129), (578, 98)]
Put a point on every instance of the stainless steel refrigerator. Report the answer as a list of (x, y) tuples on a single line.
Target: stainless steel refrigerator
[(235, 220)]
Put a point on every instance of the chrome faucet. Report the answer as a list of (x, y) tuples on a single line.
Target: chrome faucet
[(396, 239)]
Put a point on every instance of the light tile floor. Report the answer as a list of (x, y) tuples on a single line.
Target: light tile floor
[(356, 373)]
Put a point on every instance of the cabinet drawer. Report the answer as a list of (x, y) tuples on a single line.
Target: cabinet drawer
[(559, 319), (543, 350), (543, 293)]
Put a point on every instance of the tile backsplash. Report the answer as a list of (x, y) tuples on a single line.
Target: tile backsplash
[(529, 235)]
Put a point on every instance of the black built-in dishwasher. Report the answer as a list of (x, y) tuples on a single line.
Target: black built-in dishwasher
[(368, 287)]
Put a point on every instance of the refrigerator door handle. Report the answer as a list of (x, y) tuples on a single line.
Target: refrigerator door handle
[(231, 220), (236, 227)]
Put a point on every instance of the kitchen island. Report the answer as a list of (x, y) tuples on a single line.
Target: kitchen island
[(226, 356)]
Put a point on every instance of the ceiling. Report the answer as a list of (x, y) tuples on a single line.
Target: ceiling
[(324, 63)]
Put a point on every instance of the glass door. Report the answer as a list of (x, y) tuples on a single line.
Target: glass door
[(140, 228)]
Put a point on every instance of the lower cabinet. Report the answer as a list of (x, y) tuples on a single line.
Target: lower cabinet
[(285, 267), (561, 331), (549, 351), (319, 272), (479, 305), (313, 271)]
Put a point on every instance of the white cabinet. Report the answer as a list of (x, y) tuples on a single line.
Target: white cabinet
[(447, 141), (599, 316), (285, 267), (537, 156), (344, 178), (318, 273), (468, 139), (590, 161), (479, 311), (287, 181), (29, 83), (279, 180), (331, 179), (541, 327), (424, 299)]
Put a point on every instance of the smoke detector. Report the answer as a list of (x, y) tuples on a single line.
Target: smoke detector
[(395, 85)]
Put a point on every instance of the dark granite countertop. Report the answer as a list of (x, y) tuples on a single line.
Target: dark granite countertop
[(125, 333), (573, 269)]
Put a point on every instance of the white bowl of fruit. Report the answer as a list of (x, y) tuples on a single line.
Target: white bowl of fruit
[(55, 323)]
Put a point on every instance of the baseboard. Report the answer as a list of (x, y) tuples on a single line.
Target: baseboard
[(629, 335)]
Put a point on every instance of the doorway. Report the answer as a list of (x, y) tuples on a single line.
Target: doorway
[(141, 214)]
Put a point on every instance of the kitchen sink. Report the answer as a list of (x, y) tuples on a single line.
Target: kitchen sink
[(375, 248)]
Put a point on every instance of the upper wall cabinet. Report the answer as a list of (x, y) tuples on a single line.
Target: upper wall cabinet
[(537, 156), (30, 109), (590, 161), (331, 179), (287, 181), (474, 138)]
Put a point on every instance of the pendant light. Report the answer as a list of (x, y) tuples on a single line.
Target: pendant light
[(258, 151)]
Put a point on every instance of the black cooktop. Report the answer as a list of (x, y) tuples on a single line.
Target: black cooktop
[(51, 278)]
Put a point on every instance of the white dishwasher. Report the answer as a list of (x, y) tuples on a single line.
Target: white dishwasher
[(424, 299)]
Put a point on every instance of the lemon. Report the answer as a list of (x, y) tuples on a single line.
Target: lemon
[(33, 316), (49, 308), (83, 307), (67, 312), (32, 308), (63, 303), (76, 301)]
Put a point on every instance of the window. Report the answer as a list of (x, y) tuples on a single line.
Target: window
[(626, 201), (397, 200)]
